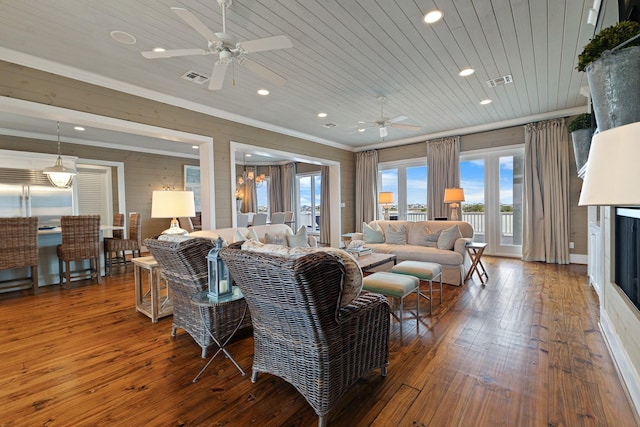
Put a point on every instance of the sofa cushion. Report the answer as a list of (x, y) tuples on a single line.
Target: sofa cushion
[(395, 235), (373, 233), (298, 240), (448, 237), (250, 235), (419, 253), (423, 236), (275, 239), (352, 283)]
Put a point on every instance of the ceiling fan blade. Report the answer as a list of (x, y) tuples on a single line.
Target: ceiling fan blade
[(383, 131), (217, 75), (262, 71), (195, 23), (175, 52), (268, 43), (405, 127), (397, 119)]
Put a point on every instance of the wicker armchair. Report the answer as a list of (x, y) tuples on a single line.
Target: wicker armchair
[(19, 246), (120, 245), (80, 241), (300, 333), (184, 265)]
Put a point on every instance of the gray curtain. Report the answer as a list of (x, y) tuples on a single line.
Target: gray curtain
[(288, 176), (443, 171), (325, 209), (366, 187), (250, 200), (276, 193), (546, 192)]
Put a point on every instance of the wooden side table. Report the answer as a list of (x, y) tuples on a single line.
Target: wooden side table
[(475, 251), (151, 303)]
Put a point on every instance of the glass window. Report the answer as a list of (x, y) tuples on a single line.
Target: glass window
[(407, 181), (308, 201), (262, 193)]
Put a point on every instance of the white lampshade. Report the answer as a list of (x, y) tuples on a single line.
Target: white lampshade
[(613, 171), (173, 204), (453, 195)]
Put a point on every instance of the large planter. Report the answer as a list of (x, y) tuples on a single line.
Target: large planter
[(581, 143), (614, 82)]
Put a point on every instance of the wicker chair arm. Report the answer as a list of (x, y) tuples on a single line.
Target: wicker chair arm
[(361, 306)]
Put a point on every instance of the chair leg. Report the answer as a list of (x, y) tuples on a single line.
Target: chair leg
[(68, 274), (98, 270), (60, 272), (34, 279)]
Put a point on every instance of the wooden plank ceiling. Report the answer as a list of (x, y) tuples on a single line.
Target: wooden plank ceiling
[(345, 54)]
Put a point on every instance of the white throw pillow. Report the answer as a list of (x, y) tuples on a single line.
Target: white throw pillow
[(298, 240), (251, 235), (425, 237), (275, 239), (372, 234), (448, 237)]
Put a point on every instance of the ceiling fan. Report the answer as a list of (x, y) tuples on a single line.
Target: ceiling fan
[(226, 48), (383, 122)]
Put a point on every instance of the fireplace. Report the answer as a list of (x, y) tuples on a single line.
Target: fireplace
[(627, 253)]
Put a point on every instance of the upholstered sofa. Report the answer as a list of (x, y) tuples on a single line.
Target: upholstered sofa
[(229, 234), (423, 241)]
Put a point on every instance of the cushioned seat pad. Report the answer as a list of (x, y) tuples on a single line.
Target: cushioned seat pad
[(419, 269), (390, 284)]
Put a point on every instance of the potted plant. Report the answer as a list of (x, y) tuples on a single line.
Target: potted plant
[(581, 132), (612, 62)]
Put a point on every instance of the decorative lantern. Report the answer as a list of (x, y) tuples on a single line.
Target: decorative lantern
[(219, 278)]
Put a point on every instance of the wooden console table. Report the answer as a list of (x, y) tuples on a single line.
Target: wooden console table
[(151, 302)]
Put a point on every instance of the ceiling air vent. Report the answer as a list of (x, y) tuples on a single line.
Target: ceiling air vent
[(499, 81), (329, 125), (192, 76)]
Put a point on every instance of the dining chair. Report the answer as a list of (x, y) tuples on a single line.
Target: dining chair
[(259, 219), (288, 217), (277, 218), (80, 241), (119, 246), (19, 246), (242, 220), (186, 224)]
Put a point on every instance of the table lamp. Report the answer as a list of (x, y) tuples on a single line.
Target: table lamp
[(173, 204), (384, 198), (453, 196)]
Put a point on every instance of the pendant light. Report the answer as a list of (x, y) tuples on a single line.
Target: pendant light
[(59, 175)]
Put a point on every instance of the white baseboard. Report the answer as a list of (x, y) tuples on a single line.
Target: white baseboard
[(630, 379), (578, 259)]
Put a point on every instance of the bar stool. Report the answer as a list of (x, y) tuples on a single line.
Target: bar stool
[(80, 241), (19, 246), (120, 246)]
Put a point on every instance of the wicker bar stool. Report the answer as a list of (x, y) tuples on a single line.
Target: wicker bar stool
[(120, 246), (80, 241), (19, 246)]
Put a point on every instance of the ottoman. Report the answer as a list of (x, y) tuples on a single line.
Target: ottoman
[(394, 286), (425, 272)]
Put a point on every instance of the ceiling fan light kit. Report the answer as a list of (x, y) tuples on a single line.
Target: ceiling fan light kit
[(226, 48)]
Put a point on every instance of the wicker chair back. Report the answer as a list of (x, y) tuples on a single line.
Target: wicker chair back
[(19, 245), (301, 333), (80, 241)]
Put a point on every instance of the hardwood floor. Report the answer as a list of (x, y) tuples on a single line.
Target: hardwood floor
[(524, 350)]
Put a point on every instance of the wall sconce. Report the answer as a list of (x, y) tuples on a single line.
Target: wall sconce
[(453, 196), (385, 198)]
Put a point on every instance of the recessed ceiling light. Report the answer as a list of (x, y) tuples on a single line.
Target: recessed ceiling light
[(159, 49), (263, 92), (80, 128), (361, 130), (466, 72), (485, 102), (433, 16), (321, 115), (195, 147), (122, 37)]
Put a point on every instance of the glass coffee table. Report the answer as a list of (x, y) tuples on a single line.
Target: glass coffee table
[(228, 313)]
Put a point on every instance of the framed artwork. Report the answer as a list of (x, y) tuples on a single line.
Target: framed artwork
[(192, 183)]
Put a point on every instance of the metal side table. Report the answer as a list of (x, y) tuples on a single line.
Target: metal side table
[(228, 314)]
